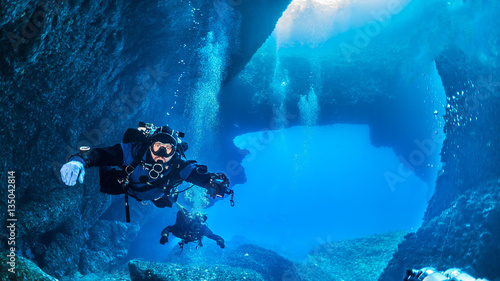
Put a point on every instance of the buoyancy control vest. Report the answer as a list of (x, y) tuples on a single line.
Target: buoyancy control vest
[(144, 135)]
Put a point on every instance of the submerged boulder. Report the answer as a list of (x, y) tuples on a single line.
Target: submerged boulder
[(107, 247), (144, 271), (355, 259), (268, 263), (62, 254), (465, 236), (24, 269)]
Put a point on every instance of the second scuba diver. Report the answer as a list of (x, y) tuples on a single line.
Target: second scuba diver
[(190, 227)]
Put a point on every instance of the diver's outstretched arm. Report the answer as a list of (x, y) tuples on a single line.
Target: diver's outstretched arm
[(164, 234), (166, 230), (162, 202), (208, 233), (215, 183)]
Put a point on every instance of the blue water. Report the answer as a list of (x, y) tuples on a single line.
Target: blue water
[(338, 118), (313, 185), (316, 183)]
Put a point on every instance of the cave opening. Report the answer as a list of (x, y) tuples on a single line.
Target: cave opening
[(331, 184), (348, 153)]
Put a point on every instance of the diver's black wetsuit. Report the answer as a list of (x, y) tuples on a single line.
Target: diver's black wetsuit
[(190, 229), (113, 160)]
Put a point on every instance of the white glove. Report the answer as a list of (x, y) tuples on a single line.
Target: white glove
[(71, 171)]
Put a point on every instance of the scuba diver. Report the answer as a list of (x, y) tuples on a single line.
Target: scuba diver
[(190, 228), (148, 165)]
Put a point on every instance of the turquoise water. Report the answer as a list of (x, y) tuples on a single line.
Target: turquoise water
[(352, 105), (310, 183), (308, 186)]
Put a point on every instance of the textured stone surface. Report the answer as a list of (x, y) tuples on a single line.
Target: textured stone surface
[(121, 275), (143, 271), (269, 264), (25, 270), (266, 262), (459, 228), (107, 246), (79, 73), (359, 259), (464, 236)]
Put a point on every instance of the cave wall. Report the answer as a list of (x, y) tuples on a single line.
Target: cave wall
[(368, 90), (78, 73), (461, 225)]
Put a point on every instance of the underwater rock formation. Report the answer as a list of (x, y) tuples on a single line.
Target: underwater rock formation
[(266, 262), (243, 260), (464, 236), (79, 73), (107, 246), (461, 225), (25, 270), (144, 271), (52, 231), (357, 259)]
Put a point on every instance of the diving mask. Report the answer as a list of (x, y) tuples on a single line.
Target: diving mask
[(162, 149)]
